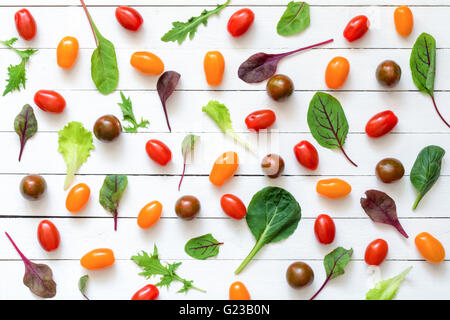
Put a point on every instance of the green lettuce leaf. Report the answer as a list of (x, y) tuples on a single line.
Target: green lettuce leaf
[(387, 289)]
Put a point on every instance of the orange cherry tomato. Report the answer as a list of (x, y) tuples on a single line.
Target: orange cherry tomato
[(224, 168), (48, 235), (337, 72), (214, 65), (67, 52), (333, 188), (147, 63), (78, 197), (238, 291), (430, 248), (149, 214), (404, 21), (98, 259), (233, 206)]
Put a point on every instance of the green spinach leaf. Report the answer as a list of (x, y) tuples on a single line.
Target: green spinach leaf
[(111, 193), (203, 247), (295, 19), (387, 289)]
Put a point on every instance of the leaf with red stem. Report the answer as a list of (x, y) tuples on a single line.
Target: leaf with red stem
[(203, 247), (111, 193), (187, 146), (25, 125), (166, 86), (38, 277), (261, 66)]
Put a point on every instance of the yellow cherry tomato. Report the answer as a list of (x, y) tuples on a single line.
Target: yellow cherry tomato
[(214, 65), (430, 248), (147, 63), (149, 215), (224, 168), (333, 188), (78, 197), (404, 21), (98, 259), (337, 72), (67, 52), (238, 291)]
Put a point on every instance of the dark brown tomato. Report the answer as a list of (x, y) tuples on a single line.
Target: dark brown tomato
[(272, 165), (299, 274), (280, 87), (389, 170), (389, 73), (33, 187), (107, 128), (187, 207)]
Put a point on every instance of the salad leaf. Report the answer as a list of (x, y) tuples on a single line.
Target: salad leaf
[(327, 122), (152, 266), (334, 264), (272, 215), (104, 70), (423, 67), (111, 193), (295, 19), (17, 73), (203, 247), (75, 145), (38, 277), (220, 114), (381, 208), (128, 115), (387, 289), (166, 86), (181, 30), (187, 146), (25, 125), (426, 170), (82, 283)]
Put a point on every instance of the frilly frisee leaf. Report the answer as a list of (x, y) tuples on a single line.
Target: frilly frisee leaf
[(75, 145), (128, 115), (387, 289)]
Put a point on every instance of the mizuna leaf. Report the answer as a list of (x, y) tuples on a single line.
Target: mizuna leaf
[(295, 19), (387, 289), (187, 146), (111, 193), (327, 122), (381, 208), (272, 215), (38, 277), (166, 86), (203, 247), (25, 125), (426, 170), (104, 70), (82, 283), (423, 67), (128, 115), (334, 264), (181, 30)]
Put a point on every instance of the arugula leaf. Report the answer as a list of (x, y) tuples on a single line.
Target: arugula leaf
[(220, 114), (82, 283), (75, 144), (128, 115), (17, 72), (152, 266), (295, 19), (181, 30), (186, 146), (387, 289), (203, 247), (111, 192), (25, 125)]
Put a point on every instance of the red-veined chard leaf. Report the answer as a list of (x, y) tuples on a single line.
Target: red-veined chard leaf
[(261, 66), (328, 123), (166, 86), (381, 208), (111, 193), (203, 247), (25, 125), (38, 277), (187, 146), (295, 19)]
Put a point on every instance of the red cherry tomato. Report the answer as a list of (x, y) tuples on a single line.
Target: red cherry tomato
[(149, 292), (129, 18), (240, 22), (48, 235), (306, 155), (356, 28), (25, 24), (158, 152), (260, 120), (324, 229), (376, 252), (381, 124), (50, 101), (233, 206)]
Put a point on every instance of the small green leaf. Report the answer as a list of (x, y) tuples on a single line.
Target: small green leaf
[(387, 289), (187, 146), (82, 285), (336, 261), (111, 193), (295, 19), (128, 115), (25, 125), (203, 247)]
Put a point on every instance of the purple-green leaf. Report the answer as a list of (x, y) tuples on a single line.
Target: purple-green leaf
[(25, 125), (38, 277), (111, 192), (166, 86), (187, 146), (381, 208)]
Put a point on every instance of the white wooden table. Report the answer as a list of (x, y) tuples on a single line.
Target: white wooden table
[(361, 98)]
